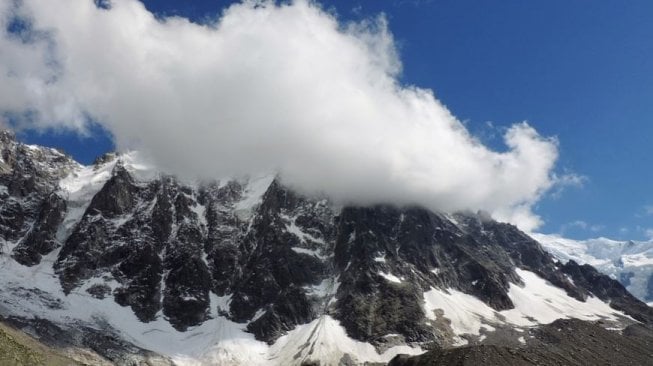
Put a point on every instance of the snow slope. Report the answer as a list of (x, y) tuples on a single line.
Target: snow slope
[(536, 302)]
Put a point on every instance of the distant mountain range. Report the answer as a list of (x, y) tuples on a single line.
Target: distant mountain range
[(629, 262)]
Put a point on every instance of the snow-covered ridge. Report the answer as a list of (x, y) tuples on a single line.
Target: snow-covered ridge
[(629, 262)]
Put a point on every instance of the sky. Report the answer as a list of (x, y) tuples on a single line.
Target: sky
[(581, 72)]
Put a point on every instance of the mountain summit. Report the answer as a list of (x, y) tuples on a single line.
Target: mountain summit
[(120, 263)]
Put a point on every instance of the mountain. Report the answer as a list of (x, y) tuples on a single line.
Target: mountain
[(120, 263), (629, 262)]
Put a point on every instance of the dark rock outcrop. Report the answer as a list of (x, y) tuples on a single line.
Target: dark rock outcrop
[(42, 236)]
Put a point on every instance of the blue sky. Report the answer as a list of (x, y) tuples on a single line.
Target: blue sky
[(581, 71)]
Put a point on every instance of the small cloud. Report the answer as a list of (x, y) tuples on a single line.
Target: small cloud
[(581, 225), (648, 209), (649, 233), (412, 2), (567, 180), (571, 180), (578, 223), (488, 132), (596, 228)]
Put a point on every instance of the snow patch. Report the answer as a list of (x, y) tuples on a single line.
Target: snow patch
[(390, 277), (221, 303), (259, 313), (138, 166), (200, 211), (310, 252), (252, 195), (292, 228), (327, 287), (78, 189)]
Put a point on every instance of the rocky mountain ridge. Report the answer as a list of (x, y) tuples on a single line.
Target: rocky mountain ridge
[(247, 271)]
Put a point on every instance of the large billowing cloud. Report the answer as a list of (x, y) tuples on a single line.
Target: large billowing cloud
[(265, 88)]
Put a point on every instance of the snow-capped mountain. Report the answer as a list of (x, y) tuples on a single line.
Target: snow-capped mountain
[(629, 262), (121, 263)]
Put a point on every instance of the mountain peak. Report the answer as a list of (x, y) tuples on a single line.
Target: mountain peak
[(6, 136)]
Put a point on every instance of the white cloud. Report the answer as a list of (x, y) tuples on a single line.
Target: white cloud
[(596, 228), (582, 225), (648, 209), (649, 233), (266, 88), (565, 181)]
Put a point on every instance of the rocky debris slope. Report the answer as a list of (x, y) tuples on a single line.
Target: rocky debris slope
[(563, 342), (19, 349), (50, 344), (248, 271)]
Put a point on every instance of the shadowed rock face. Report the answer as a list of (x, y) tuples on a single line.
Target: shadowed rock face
[(41, 238), (165, 248)]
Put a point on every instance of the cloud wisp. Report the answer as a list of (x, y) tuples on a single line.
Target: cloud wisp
[(264, 88)]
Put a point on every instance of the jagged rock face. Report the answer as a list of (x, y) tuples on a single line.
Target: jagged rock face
[(262, 255), (422, 248), (30, 209), (41, 238), (275, 271)]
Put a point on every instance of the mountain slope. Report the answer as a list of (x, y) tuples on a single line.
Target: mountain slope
[(139, 265), (19, 349), (563, 343)]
